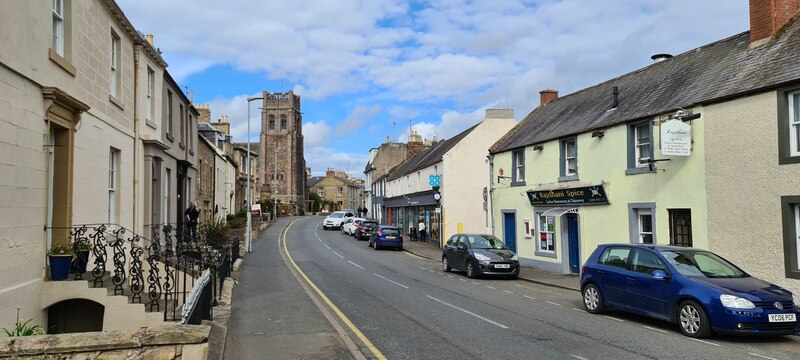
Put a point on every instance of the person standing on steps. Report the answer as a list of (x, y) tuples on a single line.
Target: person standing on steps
[(190, 216)]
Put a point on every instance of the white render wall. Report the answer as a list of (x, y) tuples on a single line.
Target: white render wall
[(466, 173)]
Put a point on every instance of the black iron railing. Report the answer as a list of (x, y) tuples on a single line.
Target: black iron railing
[(158, 270)]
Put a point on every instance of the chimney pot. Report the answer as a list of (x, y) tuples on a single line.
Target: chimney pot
[(546, 96)]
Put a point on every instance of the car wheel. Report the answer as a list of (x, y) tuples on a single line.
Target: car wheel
[(470, 270), (693, 320), (445, 266), (592, 300)]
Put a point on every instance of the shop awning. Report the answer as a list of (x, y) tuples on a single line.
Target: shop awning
[(560, 211)]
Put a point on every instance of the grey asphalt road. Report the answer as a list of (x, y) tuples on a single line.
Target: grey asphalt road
[(410, 309), (272, 317)]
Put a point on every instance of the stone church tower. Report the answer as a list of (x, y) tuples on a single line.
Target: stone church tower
[(283, 165)]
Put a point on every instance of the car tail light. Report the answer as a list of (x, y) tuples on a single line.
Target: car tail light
[(361, 228), (583, 268), (379, 233)]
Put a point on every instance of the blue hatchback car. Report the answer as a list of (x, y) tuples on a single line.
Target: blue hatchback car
[(386, 236), (697, 289)]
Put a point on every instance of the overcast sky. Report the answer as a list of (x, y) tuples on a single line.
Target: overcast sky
[(368, 69)]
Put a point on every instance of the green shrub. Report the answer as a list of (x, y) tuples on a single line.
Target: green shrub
[(23, 329)]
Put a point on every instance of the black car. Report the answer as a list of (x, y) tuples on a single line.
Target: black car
[(365, 229), (479, 254)]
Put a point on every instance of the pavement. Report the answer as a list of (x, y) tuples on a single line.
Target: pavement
[(563, 281)]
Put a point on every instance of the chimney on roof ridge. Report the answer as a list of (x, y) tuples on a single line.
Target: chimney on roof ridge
[(150, 39), (767, 17), (546, 96), (330, 172)]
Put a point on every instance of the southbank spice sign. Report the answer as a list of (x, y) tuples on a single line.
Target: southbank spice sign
[(587, 195)]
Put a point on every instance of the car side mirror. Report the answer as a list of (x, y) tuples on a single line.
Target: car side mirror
[(660, 274)]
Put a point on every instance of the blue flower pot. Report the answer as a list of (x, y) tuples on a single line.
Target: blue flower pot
[(60, 266)]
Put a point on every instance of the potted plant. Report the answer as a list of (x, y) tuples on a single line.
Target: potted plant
[(82, 249), (60, 257)]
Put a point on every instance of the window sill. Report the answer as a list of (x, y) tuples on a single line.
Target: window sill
[(790, 159), (518, 183), (116, 102), (191, 152), (151, 124), (568, 178), (183, 147), (548, 254), (639, 170), (62, 62), (170, 138)]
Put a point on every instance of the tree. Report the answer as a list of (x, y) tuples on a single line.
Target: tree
[(316, 201)]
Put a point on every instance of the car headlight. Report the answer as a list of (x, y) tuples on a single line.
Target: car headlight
[(515, 257), (735, 302), (796, 300), (481, 257)]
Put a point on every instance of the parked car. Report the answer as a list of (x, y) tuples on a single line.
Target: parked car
[(697, 289), (365, 229), (335, 219), (386, 236), (479, 254), (350, 225)]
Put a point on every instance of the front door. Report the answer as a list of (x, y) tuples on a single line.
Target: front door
[(510, 231), (573, 243)]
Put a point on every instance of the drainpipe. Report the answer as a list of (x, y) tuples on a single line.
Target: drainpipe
[(491, 192), (136, 49)]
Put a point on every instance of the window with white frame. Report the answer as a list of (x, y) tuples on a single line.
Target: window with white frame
[(58, 27), (151, 80), (518, 172), (546, 226), (112, 185), (114, 84), (339, 191), (569, 158), (321, 191), (794, 123), (642, 146), (644, 219)]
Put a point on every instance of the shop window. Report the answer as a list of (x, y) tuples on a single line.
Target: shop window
[(790, 212), (546, 226), (641, 222), (518, 172), (680, 227), (569, 159), (640, 148)]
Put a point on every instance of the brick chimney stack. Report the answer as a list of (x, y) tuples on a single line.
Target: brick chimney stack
[(415, 145), (767, 17), (546, 96), (330, 173)]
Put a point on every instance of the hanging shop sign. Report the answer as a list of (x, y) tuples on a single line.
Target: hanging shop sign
[(676, 138), (586, 195)]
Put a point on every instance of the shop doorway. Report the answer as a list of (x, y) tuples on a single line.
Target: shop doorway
[(573, 243), (510, 231)]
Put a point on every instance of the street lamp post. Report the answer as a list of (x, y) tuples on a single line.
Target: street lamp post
[(248, 194)]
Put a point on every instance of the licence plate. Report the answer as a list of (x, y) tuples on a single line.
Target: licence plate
[(782, 317), (502, 266), (390, 237)]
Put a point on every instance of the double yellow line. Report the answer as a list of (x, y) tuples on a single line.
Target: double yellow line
[(328, 301)]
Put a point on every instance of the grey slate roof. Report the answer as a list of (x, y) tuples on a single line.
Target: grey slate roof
[(712, 73), (254, 146), (429, 156)]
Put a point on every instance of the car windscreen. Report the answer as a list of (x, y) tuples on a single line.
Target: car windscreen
[(485, 242), (390, 231), (337, 215), (702, 264), (371, 225)]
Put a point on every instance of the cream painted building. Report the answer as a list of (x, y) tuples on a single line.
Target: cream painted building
[(69, 141), (699, 149), (410, 196)]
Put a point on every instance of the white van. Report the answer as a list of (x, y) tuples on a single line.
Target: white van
[(335, 219)]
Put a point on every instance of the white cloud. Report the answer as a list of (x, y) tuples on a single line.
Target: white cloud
[(319, 158), (360, 116), (316, 133), (236, 110)]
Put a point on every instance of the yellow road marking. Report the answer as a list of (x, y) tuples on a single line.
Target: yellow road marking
[(328, 301)]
